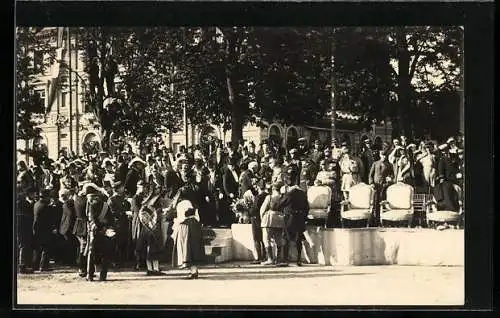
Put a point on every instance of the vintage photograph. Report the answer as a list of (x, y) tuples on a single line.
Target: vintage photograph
[(239, 165)]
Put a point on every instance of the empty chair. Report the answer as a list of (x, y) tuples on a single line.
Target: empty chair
[(359, 205), (446, 205), (320, 200), (398, 206)]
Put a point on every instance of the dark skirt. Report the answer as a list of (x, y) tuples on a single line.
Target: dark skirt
[(256, 229), (188, 244)]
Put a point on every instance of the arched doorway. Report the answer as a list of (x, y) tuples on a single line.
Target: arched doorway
[(91, 143), (275, 137), (292, 138)]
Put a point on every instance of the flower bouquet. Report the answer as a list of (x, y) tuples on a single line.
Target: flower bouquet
[(241, 209)]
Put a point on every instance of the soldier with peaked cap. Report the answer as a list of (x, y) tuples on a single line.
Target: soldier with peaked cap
[(296, 164), (316, 154), (303, 150), (295, 206)]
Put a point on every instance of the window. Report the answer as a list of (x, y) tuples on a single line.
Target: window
[(63, 99), (38, 59)]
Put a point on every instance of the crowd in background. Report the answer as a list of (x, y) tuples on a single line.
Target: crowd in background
[(131, 196)]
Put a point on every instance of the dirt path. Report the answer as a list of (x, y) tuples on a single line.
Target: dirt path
[(255, 285)]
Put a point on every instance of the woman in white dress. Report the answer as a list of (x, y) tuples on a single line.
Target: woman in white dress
[(427, 160)]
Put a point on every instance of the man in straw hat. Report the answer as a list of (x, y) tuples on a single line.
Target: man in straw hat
[(100, 225), (136, 166)]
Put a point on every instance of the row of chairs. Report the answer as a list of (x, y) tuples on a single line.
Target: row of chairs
[(398, 207)]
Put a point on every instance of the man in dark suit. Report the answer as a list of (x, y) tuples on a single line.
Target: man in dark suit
[(247, 178), (118, 206), (24, 233), (100, 222), (256, 220), (230, 179), (316, 154), (173, 181), (212, 186), (230, 184), (446, 167), (296, 208), (43, 229), (134, 174), (380, 177), (80, 230), (69, 245), (366, 155)]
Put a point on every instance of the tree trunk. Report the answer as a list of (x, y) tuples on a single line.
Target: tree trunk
[(236, 102), (404, 84)]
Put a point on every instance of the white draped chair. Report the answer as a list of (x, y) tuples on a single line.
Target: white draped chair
[(398, 205), (359, 206), (319, 198), (435, 216)]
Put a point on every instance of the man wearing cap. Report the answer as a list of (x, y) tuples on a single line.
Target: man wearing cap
[(446, 167), (316, 154), (380, 177), (367, 157), (296, 208), (43, 229), (118, 206), (303, 150), (296, 164), (307, 174)]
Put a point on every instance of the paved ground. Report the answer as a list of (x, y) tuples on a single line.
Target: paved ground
[(242, 284)]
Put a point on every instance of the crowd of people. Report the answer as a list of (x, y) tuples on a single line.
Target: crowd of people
[(107, 208)]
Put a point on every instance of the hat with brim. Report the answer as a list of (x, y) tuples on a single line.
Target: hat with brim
[(106, 162), (293, 150), (183, 207), (90, 188), (450, 140), (443, 147), (460, 151), (411, 146), (136, 160), (302, 139)]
